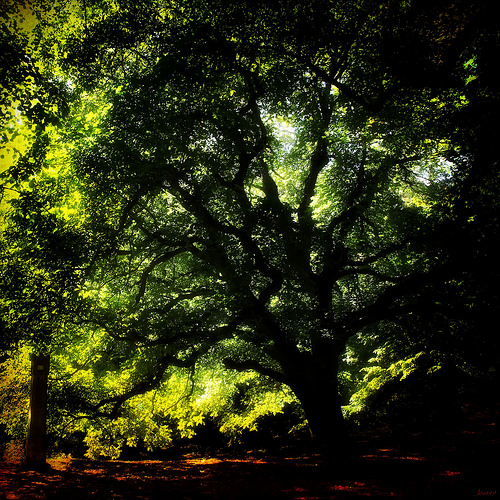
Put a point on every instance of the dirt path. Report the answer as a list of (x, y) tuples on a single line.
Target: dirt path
[(450, 472)]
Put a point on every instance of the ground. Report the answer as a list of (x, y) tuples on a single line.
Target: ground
[(463, 465)]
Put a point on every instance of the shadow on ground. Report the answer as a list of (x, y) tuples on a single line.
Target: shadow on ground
[(463, 465)]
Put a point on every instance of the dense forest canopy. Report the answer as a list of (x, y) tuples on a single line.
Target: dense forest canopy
[(216, 211)]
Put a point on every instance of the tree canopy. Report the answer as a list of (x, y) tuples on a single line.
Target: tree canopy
[(245, 186)]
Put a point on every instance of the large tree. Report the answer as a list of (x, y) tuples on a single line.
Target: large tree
[(264, 182)]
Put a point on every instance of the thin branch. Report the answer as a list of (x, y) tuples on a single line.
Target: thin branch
[(152, 265), (386, 305), (186, 395), (143, 387), (371, 272), (255, 366), (181, 297), (220, 333), (396, 246), (128, 208)]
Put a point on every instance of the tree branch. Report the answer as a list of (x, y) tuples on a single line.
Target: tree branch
[(319, 160), (384, 307), (151, 266), (257, 367), (182, 296), (371, 272), (147, 385)]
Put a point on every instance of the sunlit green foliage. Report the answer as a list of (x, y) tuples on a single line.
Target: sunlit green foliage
[(157, 419), (177, 409), (14, 394), (206, 205)]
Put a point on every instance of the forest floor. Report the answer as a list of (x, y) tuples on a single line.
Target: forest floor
[(455, 465)]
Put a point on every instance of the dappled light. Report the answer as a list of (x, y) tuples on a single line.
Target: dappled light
[(377, 471), (255, 242)]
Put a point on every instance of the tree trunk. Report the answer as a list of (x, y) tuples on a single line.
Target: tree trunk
[(36, 438), (316, 387)]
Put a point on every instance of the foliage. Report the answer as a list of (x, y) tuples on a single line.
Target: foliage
[(244, 187), (14, 395), (158, 419), (40, 254), (180, 407), (40, 249)]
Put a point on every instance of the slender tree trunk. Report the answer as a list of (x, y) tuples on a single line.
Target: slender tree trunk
[(36, 438)]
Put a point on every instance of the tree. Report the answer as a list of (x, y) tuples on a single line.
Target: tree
[(40, 250), (263, 182)]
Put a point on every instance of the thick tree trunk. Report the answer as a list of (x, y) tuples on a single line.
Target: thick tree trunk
[(324, 415), (315, 385), (321, 405)]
